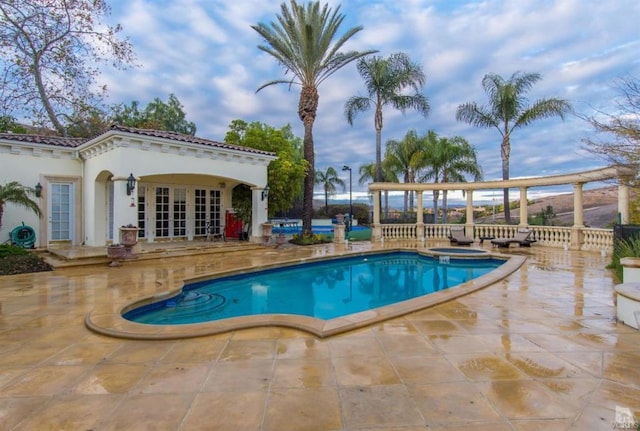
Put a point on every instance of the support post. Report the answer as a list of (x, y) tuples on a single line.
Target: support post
[(623, 202), (376, 233), (524, 213), (578, 206), (469, 224), (419, 217)]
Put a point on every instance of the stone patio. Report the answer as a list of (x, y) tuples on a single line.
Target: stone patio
[(539, 350)]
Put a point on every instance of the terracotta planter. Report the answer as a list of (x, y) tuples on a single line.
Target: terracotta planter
[(115, 253), (267, 228), (129, 236)]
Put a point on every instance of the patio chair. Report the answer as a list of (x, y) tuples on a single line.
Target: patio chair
[(458, 237), (523, 238)]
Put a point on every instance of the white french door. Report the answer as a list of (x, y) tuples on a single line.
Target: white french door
[(207, 212), (60, 210), (170, 212)]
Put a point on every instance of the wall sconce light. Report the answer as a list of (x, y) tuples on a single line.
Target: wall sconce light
[(38, 189), (265, 193), (222, 185), (131, 184)]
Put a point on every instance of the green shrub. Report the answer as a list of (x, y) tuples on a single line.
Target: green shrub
[(623, 248), (299, 239), (12, 250), (17, 260)]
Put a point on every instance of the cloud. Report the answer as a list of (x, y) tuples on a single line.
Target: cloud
[(206, 53)]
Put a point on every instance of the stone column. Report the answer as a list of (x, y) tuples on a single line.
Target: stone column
[(376, 233), (125, 207), (578, 206), (469, 225), (420, 217), (578, 223), (259, 212), (523, 207), (623, 202), (338, 233)]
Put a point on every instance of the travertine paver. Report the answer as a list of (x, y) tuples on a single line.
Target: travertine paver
[(540, 350)]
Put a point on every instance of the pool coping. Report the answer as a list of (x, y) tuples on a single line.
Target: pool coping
[(108, 320)]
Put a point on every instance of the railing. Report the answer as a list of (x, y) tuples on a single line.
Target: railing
[(552, 236), (437, 231), (549, 236), (597, 239), (399, 231)]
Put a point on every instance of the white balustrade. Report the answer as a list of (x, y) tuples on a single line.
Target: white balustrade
[(597, 239), (549, 236)]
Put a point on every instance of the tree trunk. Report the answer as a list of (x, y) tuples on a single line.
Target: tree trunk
[(326, 201), (45, 100), (378, 125), (504, 152), (307, 109)]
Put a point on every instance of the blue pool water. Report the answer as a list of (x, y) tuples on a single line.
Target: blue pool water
[(326, 289), (297, 229)]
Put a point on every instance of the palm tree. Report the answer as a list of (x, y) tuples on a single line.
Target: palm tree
[(386, 80), (17, 194), (329, 180), (459, 159), (368, 173), (302, 41), (406, 157), (432, 166), (508, 110)]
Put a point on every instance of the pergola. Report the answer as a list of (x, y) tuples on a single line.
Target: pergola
[(621, 174)]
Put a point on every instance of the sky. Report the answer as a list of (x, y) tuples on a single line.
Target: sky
[(205, 52)]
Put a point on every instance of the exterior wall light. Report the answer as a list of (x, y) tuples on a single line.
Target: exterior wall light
[(131, 184), (265, 193), (38, 189)]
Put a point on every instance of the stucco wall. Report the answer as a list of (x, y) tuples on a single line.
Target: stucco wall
[(28, 167)]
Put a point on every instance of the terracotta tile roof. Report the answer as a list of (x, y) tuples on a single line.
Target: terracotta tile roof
[(175, 136), (44, 140)]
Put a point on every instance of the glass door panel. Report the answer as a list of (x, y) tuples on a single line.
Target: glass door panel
[(162, 212), (61, 212), (179, 212)]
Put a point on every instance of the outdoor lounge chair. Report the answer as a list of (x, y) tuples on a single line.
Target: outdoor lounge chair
[(523, 239), (458, 237)]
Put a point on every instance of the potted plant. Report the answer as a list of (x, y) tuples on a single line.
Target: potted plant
[(115, 252), (129, 235)]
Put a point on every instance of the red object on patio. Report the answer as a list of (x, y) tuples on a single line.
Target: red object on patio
[(233, 225)]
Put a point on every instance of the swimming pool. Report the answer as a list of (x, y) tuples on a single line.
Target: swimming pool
[(325, 290), (290, 229)]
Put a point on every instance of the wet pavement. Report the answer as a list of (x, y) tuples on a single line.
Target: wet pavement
[(539, 350)]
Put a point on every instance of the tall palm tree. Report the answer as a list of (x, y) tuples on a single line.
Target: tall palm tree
[(387, 80), (17, 194), (508, 110), (406, 157), (433, 165), (302, 41), (459, 159), (329, 180), (368, 174)]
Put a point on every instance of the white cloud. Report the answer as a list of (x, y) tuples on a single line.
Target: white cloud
[(206, 53)]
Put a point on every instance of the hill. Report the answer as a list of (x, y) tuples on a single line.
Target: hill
[(600, 207)]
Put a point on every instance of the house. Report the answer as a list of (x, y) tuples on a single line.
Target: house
[(172, 186)]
